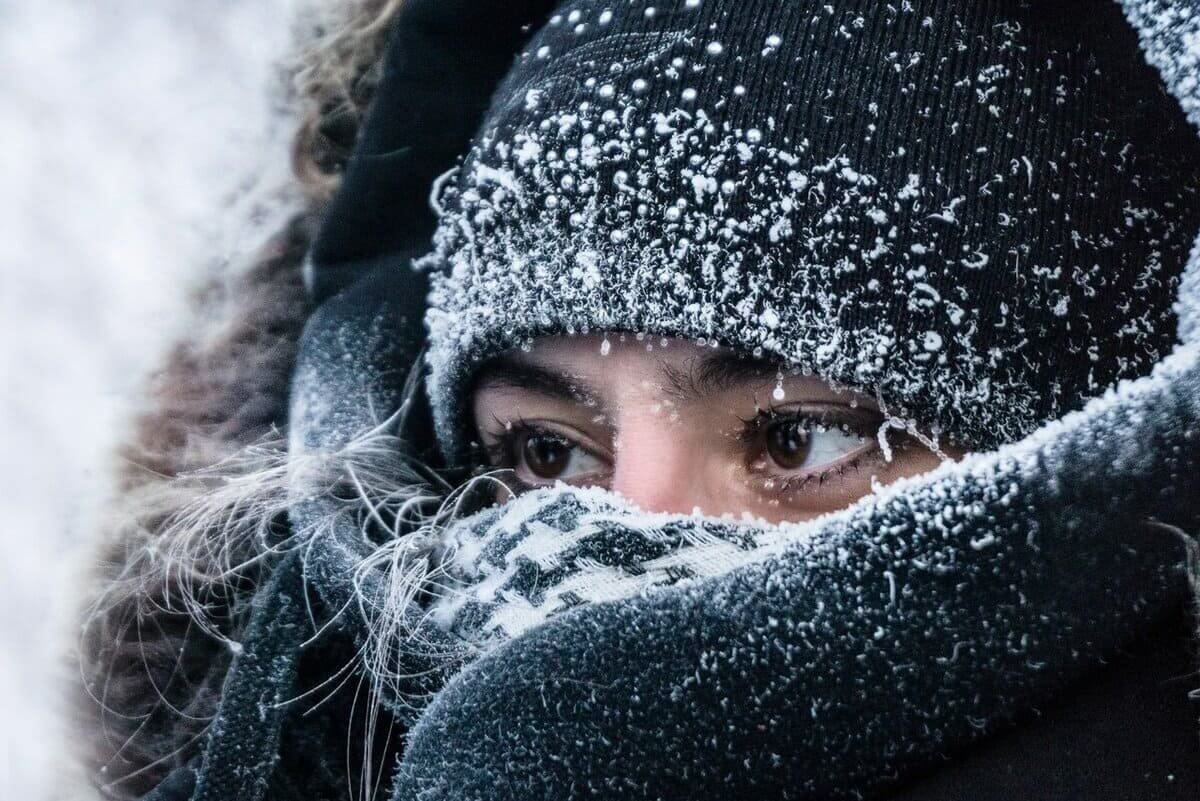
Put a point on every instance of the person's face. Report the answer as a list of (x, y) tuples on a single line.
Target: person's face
[(677, 427)]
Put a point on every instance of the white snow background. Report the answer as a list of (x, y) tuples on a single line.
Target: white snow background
[(131, 137)]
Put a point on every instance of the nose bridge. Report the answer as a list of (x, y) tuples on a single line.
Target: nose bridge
[(653, 466)]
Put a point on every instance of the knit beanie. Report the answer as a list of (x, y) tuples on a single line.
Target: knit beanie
[(976, 212)]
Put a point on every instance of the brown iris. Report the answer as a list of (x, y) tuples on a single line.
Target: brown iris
[(546, 455), (787, 443)]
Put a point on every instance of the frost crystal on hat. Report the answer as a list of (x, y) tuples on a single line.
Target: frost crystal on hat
[(977, 213)]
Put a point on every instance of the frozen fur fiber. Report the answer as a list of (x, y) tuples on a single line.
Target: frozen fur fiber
[(151, 674), (199, 490)]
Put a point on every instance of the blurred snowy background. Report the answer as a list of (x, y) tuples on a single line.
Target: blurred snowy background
[(131, 133)]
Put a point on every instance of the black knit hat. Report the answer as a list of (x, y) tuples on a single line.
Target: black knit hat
[(976, 211)]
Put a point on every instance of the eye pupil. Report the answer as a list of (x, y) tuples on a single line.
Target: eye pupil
[(787, 443), (546, 456)]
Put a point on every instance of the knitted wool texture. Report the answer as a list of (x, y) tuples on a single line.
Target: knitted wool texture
[(976, 212)]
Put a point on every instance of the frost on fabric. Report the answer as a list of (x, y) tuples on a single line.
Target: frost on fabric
[(515, 566), (1170, 38), (908, 625), (632, 187)]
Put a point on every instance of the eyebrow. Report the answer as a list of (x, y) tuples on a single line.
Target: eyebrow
[(507, 372), (714, 374), (703, 377)]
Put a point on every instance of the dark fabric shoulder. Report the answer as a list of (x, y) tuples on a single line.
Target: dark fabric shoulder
[(1130, 732)]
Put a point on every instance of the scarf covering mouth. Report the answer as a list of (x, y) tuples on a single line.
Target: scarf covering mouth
[(823, 660)]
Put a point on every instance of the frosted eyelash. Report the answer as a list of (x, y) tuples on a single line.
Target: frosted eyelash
[(499, 454), (793, 483), (864, 427)]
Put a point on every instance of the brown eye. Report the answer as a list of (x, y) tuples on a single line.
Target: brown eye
[(788, 443), (545, 455)]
